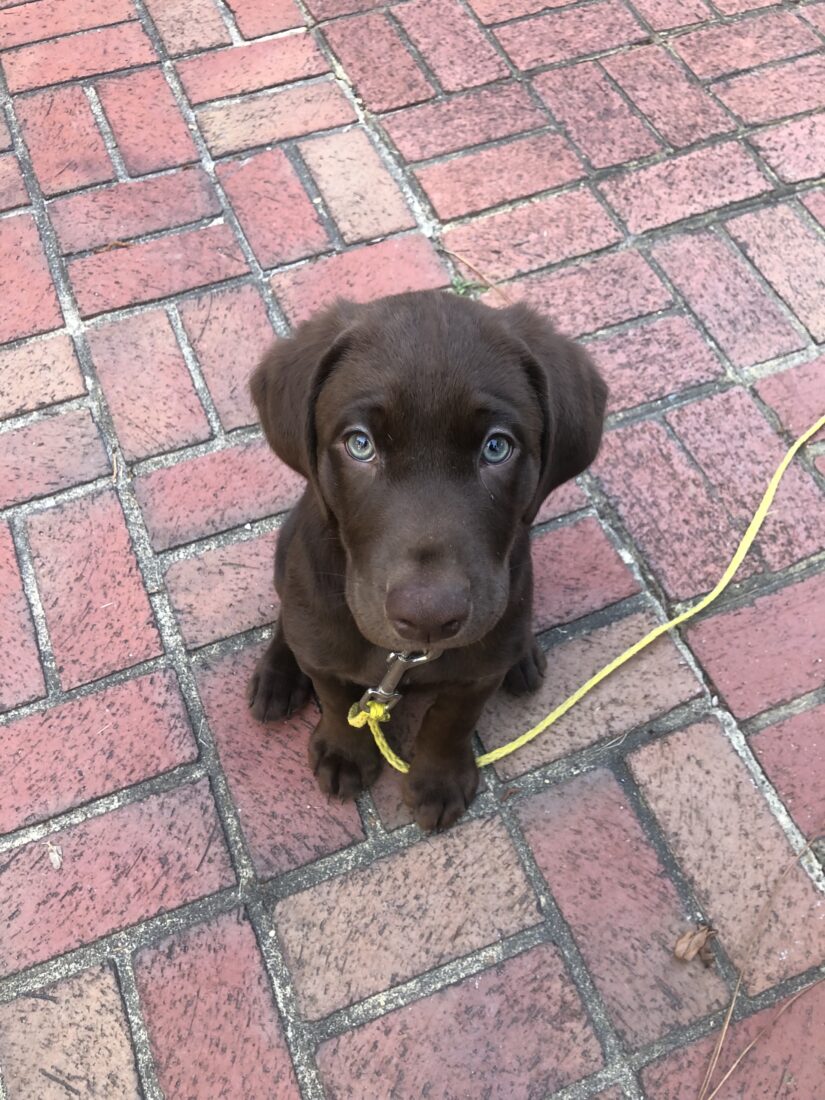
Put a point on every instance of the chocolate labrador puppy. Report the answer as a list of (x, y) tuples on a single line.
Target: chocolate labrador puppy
[(430, 428)]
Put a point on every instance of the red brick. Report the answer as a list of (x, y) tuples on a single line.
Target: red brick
[(37, 374), (258, 17), (792, 754), (389, 267), (273, 116), (70, 1034), (595, 115), (683, 186), (21, 678), (795, 150), (732, 848), (653, 360), (230, 332), (815, 15), (498, 11), (726, 296), (474, 181), (680, 110), (89, 747), (115, 870), (791, 256), (87, 575), (730, 47), (195, 988), (665, 14), (383, 73), (767, 94), (599, 292), (595, 857), (358, 191), (814, 202), (28, 303), (79, 55), (66, 148), (796, 395), (148, 127), (49, 18), (451, 43), (12, 188), (328, 9), (275, 212), (238, 579), (154, 269), (650, 685), (766, 652), (541, 233), (286, 819), (462, 120), (567, 498), (250, 68), (476, 894), (492, 1029), (48, 455), (213, 492), (186, 25), (147, 385), (568, 34)]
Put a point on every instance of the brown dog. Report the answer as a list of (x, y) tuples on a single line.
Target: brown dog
[(430, 428)]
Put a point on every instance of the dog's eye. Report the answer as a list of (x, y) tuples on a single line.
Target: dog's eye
[(497, 448), (359, 446)]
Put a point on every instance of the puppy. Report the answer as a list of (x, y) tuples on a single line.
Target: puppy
[(430, 428)]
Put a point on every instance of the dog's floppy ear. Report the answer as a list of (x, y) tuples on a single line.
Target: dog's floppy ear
[(572, 396)]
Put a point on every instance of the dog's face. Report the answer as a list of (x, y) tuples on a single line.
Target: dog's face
[(430, 430)]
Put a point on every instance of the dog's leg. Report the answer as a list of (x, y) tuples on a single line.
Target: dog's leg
[(277, 686), (344, 760), (527, 674)]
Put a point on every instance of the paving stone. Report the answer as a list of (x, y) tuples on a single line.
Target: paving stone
[(498, 11), (797, 395), (792, 754), (28, 304), (731, 47), (149, 129), (255, 18), (789, 88), (795, 150), (49, 455), (62, 164), (43, 19), (40, 373), (250, 68), (814, 202), (13, 191), (665, 14), (21, 678), (571, 33), (186, 25), (383, 73), (77, 56), (454, 48)]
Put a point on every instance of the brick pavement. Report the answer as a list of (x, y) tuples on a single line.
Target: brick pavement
[(181, 914)]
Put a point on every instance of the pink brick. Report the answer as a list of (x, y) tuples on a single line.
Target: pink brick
[(790, 88), (726, 296), (390, 267), (680, 110), (89, 747), (730, 47), (474, 181), (74, 1031), (287, 821), (768, 651), (229, 331), (791, 256), (97, 218), (37, 374), (13, 191), (653, 360), (273, 116), (49, 455), (814, 202), (49, 18), (566, 35), (685, 185), (251, 67), (709, 834), (147, 385), (596, 859), (462, 120), (79, 55), (567, 498), (451, 43), (815, 15), (328, 9), (275, 212), (792, 754), (28, 303), (498, 11), (258, 17), (476, 894), (736, 7), (64, 142), (664, 14), (357, 189), (473, 1030), (595, 115), (654, 682), (796, 395), (186, 25), (238, 579), (87, 575), (155, 269), (148, 127), (213, 492), (795, 150), (21, 678), (377, 62), (194, 986), (115, 870)]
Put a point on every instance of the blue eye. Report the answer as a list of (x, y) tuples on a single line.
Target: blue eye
[(359, 446), (497, 449)]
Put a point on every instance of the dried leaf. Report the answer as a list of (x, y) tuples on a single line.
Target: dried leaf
[(696, 941), (112, 244)]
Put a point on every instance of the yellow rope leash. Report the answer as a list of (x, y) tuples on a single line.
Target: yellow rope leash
[(375, 712)]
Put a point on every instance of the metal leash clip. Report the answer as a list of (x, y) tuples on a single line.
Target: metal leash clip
[(398, 663)]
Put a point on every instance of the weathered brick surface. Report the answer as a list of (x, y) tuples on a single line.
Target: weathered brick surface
[(48, 455), (46, 18), (186, 25), (148, 127), (796, 395), (795, 150), (39, 373), (566, 35), (231, 72), (729, 48), (382, 71), (21, 678), (13, 191), (776, 91), (259, 17), (456, 51), (63, 139), (28, 303), (86, 54), (793, 753)]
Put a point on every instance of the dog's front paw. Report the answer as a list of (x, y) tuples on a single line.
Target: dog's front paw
[(437, 798), (344, 762), (526, 676), (277, 687)]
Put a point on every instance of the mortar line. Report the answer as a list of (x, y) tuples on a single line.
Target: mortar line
[(141, 1046)]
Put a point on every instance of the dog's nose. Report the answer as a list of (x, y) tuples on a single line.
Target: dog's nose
[(427, 613)]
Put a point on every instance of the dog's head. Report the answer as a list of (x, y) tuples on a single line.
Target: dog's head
[(430, 428)]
